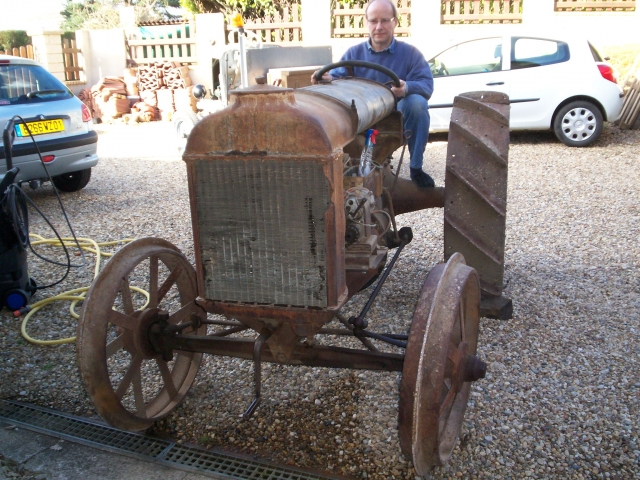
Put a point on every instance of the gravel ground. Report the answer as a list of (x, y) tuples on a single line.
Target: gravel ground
[(562, 396)]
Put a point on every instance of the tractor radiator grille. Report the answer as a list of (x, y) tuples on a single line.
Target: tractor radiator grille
[(261, 227)]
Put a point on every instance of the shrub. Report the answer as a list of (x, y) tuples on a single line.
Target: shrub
[(13, 39)]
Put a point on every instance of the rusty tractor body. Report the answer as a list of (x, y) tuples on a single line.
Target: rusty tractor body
[(285, 232)]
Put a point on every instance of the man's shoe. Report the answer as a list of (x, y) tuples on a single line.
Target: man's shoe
[(423, 180)]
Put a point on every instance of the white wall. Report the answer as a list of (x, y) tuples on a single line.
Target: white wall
[(104, 55)]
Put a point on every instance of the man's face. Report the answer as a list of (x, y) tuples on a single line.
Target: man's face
[(381, 24)]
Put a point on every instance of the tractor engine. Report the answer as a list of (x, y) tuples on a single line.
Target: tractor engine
[(367, 221)]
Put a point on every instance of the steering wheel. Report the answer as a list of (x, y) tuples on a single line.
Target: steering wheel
[(358, 63)]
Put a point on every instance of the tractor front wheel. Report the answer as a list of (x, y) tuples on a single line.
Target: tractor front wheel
[(440, 364)]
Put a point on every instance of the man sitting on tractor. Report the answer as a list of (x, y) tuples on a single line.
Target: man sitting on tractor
[(408, 63)]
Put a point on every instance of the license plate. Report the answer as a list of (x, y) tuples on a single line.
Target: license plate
[(40, 128)]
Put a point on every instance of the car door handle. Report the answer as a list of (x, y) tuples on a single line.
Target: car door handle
[(495, 83)]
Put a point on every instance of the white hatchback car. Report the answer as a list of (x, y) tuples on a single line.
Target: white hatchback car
[(563, 85)]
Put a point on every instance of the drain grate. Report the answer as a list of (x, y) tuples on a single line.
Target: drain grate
[(208, 462)]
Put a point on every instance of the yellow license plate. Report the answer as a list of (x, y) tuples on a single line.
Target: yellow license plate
[(40, 128)]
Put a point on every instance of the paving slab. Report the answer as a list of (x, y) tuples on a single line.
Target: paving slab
[(57, 458)]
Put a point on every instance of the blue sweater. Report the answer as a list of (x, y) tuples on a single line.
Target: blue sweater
[(403, 59)]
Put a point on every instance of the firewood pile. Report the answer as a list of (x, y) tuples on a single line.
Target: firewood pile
[(150, 92)]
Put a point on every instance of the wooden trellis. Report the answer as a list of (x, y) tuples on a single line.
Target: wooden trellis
[(278, 29), (351, 22), (72, 69), (595, 5), (481, 11)]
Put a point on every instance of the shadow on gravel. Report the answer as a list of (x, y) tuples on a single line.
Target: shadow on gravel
[(517, 138)]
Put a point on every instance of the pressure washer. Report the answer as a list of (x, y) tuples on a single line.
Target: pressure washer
[(16, 287)]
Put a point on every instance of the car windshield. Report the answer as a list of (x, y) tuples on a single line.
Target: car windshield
[(477, 56), (22, 84)]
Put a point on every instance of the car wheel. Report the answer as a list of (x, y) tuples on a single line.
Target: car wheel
[(578, 124), (183, 123), (73, 181)]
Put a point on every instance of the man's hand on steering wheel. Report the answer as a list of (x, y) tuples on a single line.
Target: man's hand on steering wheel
[(326, 77), (400, 91)]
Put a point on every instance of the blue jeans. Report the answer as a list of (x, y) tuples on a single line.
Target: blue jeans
[(415, 111)]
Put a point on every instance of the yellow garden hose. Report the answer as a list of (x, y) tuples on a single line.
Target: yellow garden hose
[(76, 295)]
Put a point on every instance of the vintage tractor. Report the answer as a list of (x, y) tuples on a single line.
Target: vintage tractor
[(285, 232)]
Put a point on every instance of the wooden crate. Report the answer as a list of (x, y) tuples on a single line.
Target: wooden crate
[(291, 77)]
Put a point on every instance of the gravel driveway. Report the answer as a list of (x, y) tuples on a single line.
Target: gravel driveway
[(562, 399)]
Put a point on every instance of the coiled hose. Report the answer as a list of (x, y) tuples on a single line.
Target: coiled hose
[(76, 295)]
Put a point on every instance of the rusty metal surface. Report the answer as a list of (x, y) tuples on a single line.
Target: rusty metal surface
[(475, 200), (312, 356), (308, 121), (263, 119), (304, 322), (373, 102), (95, 346), (439, 365), (357, 279), (500, 308), (408, 197)]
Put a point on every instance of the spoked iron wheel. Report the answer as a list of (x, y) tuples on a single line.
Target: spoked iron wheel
[(130, 385), (440, 364)]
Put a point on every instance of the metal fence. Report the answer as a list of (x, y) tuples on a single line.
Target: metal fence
[(481, 11), (351, 22)]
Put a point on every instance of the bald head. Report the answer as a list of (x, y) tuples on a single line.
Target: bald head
[(394, 9)]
